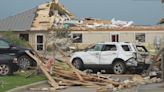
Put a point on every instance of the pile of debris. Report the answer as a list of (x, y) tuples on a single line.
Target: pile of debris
[(64, 75), (50, 14)]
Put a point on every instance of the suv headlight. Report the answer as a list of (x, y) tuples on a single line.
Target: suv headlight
[(15, 60)]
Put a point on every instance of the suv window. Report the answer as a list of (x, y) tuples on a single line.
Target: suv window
[(126, 47), (141, 49), (97, 47), (110, 48), (3, 44)]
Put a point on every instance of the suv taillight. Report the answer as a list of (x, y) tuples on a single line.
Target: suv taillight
[(135, 55)]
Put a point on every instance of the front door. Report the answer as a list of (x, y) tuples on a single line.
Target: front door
[(108, 54), (94, 54)]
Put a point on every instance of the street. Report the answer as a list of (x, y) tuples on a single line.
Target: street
[(140, 88)]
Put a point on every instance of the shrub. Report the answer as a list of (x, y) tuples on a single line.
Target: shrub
[(11, 37)]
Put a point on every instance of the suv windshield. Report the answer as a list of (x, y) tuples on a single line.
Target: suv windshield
[(141, 49)]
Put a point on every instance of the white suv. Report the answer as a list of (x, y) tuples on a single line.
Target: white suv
[(117, 56)]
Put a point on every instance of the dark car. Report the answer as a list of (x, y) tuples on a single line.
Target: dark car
[(24, 61), (8, 64)]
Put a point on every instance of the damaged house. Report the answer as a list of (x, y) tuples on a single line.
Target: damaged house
[(35, 24)]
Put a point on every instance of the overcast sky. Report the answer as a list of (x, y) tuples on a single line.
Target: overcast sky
[(144, 12)]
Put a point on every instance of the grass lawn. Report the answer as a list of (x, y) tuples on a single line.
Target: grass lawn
[(16, 80)]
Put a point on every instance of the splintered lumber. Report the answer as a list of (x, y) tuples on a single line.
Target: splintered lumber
[(41, 89), (39, 62), (75, 70), (102, 80), (155, 59), (72, 82), (65, 75)]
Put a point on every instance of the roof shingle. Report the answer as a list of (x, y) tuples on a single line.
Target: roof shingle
[(19, 22)]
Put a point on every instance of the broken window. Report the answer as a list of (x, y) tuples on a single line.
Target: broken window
[(141, 49), (24, 37), (140, 37), (77, 38)]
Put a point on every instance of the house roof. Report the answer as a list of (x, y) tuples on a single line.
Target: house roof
[(131, 28), (19, 22)]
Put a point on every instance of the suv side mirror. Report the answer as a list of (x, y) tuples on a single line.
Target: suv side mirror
[(12, 46)]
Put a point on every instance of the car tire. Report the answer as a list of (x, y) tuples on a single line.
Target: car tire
[(5, 69), (24, 62), (119, 67), (78, 64)]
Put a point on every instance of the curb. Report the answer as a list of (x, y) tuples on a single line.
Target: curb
[(26, 86)]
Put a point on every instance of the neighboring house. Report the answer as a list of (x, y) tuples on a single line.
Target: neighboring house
[(152, 36)]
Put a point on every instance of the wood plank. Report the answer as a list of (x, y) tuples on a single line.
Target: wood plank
[(67, 62), (40, 64)]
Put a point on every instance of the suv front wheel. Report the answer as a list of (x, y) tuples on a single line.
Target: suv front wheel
[(119, 67), (78, 64), (5, 69), (24, 62)]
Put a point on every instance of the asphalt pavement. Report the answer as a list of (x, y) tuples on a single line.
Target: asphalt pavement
[(157, 87)]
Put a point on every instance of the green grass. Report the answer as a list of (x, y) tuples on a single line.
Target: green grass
[(10, 82)]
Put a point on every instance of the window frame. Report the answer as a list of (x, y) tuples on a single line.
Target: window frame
[(39, 44), (127, 46), (21, 37), (114, 45), (139, 39), (79, 40)]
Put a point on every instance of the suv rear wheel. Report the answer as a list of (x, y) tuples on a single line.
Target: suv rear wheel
[(119, 67), (78, 64), (24, 62), (5, 69)]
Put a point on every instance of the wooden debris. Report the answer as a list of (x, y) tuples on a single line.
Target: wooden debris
[(39, 62), (65, 61), (62, 77)]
